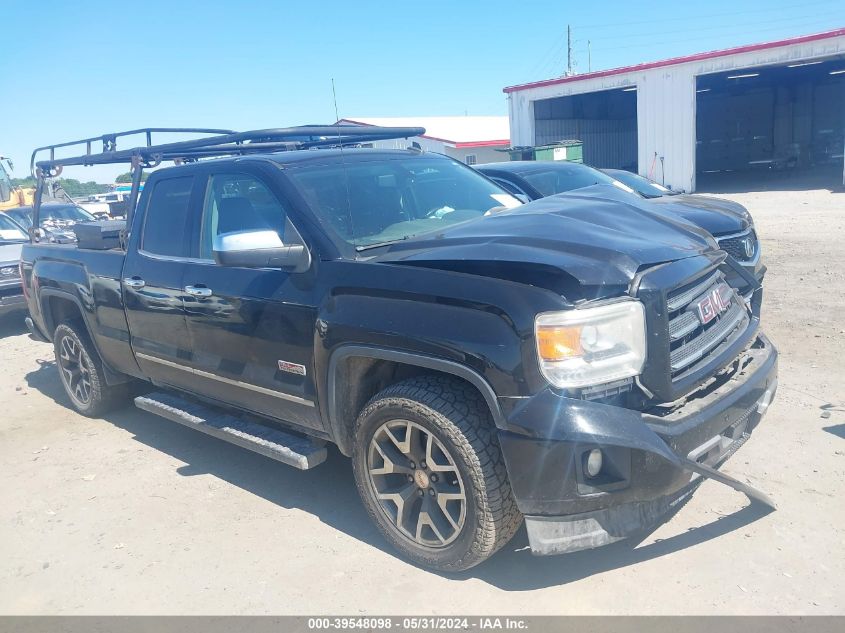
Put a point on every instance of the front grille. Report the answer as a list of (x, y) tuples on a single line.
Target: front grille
[(691, 342), (735, 246), (9, 272), (11, 291), (683, 352)]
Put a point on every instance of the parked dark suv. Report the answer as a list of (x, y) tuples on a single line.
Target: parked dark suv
[(480, 361), (729, 222)]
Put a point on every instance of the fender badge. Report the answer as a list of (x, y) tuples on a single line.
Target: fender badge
[(292, 368)]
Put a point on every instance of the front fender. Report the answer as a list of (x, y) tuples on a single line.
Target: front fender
[(333, 406)]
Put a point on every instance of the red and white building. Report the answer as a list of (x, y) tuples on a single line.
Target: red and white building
[(778, 105), (469, 139)]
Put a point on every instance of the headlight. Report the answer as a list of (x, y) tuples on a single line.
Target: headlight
[(9, 271), (591, 346)]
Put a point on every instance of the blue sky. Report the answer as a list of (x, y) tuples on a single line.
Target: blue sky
[(85, 68)]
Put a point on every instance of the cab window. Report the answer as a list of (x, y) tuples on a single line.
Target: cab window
[(238, 202), (166, 225)]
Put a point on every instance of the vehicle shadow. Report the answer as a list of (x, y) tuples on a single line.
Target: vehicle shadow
[(837, 429), (329, 493), (12, 324), (516, 569)]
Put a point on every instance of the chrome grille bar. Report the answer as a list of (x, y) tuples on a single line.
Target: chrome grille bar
[(680, 300), (687, 354), (682, 325)]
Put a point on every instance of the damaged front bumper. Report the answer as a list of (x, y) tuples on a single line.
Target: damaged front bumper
[(651, 461)]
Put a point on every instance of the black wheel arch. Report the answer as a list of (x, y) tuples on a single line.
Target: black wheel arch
[(341, 415), (71, 308)]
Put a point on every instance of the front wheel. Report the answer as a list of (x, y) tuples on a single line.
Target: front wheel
[(429, 469), (81, 371)]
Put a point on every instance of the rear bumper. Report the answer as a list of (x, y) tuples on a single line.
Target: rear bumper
[(650, 462)]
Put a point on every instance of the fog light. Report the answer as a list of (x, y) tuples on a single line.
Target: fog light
[(594, 462)]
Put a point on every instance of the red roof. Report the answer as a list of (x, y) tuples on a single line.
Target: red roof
[(679, 60)]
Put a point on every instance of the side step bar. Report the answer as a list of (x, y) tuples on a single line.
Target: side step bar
[(295, 450)]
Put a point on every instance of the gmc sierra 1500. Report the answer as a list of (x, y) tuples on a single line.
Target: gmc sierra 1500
[(482, 362)]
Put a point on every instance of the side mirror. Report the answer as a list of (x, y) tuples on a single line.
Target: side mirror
[(259, 249)]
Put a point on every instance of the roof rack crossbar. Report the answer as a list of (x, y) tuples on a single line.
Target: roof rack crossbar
[(109, 141), (224, 142), (221, 143)]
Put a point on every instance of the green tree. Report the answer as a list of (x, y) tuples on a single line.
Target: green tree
[(72, 187), (127, 177)]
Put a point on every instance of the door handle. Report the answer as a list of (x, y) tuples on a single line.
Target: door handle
[(134, 282), (198, 291)]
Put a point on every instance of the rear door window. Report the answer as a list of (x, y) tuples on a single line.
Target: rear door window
[(167, 222)]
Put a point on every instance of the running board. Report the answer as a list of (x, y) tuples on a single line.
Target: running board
[(295, 450)]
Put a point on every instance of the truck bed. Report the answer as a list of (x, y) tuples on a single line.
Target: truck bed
[(88, 278)]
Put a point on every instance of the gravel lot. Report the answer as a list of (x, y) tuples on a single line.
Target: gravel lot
[(134, 514)]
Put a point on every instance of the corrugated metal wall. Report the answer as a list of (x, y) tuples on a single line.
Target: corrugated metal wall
[(605, 121), (607, 143), (666, 108)]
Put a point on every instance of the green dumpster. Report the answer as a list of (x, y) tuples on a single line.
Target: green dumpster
[(571, 150)]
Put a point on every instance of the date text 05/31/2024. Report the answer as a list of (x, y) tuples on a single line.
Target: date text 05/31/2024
[(419, 624)]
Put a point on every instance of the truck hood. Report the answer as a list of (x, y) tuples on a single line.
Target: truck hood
[(716, 215), (10, 254), (595, 242)]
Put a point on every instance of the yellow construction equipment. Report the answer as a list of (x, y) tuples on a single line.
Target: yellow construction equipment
[(10, 195)]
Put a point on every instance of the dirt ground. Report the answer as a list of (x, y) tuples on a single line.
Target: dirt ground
[(137, 515)]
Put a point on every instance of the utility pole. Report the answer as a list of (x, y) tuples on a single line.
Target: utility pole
[(568, 50), (589, 58)]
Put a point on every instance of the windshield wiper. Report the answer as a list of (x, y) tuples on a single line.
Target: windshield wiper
[(367, 247)]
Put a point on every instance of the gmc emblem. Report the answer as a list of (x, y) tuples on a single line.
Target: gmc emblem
[(714, 303)]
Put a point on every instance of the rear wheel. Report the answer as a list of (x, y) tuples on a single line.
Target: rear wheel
[(81, 371), (428, 466)]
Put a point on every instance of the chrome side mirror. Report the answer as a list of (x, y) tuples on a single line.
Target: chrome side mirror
[(259, 249)]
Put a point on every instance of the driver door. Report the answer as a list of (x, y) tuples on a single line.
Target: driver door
[(251, 330)]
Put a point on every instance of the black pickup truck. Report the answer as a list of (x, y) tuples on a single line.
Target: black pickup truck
[(481, 362)]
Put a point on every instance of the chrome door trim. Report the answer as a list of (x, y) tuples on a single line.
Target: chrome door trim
[(134, 283), (172, 258), (228, 381), (199, 291)]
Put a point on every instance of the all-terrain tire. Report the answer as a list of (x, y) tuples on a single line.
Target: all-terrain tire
[(81, 371), (457, 417)]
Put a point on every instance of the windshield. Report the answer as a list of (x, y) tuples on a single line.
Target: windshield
[(641, 184), (11, 232), (65, 213), (560, 177), (22, 216), (372, 203), (51, 213)]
